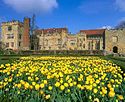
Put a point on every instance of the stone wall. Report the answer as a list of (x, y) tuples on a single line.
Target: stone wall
[(115, 41), (15, 31)]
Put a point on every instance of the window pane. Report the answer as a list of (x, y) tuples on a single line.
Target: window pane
[(9, 28), (115, 39)]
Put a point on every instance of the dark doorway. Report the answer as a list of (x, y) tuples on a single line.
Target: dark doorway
[(115, 49)]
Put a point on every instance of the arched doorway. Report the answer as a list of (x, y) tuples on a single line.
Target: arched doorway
[(115, 49)]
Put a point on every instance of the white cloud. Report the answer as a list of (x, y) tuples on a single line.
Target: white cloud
[(120, 5), (107, 27), (32, 6)]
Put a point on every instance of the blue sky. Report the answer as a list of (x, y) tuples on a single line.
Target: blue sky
[(73, 14)]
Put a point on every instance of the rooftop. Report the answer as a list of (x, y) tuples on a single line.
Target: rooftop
[(93, 32)]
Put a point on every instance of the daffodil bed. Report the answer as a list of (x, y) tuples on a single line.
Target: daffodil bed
[(61, 79)]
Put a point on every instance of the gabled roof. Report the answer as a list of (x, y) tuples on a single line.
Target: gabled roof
[(93, 32)]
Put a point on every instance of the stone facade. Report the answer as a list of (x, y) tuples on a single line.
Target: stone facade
[(15, 35), (52, 39), (60, 39), (115, 41)]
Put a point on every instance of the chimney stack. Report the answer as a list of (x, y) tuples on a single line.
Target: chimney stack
[(26, 34)]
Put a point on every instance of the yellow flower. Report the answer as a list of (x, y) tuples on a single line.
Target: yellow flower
[(79, 86), (33, 83), (42, 85), (47, 97), (109, 85), (61, 74), (5, 79), (111, 89), (50, 87), (120, 97), (48, 76), (36, 78), (45, 81), (97, 81), (94, 84), (96, 100), (31, 87), (90, 97), (10, 80), (37, 86), (68, 90), (71, 84), (41, 92), (62, 87), (61, 81), (57, 84), (66, 84), (29, 78), (95, 90), (111, 94), (104, 91), (112, 80), (26, 85), (19, 85), (67, 78), (18, 92), (74, 83)]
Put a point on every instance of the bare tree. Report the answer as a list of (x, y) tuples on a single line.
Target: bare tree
[(121, 25)]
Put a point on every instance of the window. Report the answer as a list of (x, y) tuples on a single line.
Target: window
[(80, 44), (72, 43), (115, 39), (49, 48), (97, 47), (59, 41), (19, 44), (9, 28), (12, 44), (7, 44), (46, 42), (83, 45), (89, 44), (20, 36), (80, 40), (83, 39), (10, 36)]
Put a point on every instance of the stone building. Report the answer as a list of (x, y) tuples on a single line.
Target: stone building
[(115, 41), (94, 39), (52, 39), (60, 39), (15, 34)]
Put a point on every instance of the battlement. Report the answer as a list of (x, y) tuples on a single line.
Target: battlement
[(13, 22)]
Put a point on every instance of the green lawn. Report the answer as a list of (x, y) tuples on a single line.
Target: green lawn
[(8, 59), (117, 60)]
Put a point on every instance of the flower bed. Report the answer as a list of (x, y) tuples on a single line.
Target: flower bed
[(61, 79)]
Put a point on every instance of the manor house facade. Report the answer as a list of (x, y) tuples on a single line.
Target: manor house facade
[(16, 36)]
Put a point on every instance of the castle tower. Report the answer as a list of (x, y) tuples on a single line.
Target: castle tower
[(26, 34)]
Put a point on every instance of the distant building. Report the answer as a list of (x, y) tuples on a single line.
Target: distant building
[(15, 35), (52, 39), (60, 39), (115, 41)]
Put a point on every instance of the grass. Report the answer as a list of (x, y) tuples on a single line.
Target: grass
[(117, 60), (8, 59)]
